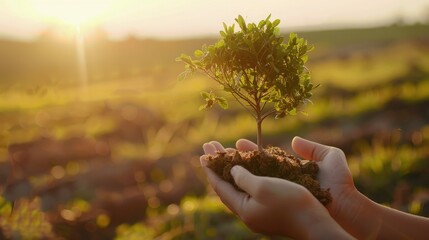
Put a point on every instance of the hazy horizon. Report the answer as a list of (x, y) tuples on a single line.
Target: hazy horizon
[(168, 19)]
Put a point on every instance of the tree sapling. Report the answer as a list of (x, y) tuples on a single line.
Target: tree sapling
[(266, 76)]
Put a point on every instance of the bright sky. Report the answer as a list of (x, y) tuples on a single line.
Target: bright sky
[(24, 19)]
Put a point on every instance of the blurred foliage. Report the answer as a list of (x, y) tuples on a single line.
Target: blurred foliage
[(194, 218), (119, 158), (26, 221)]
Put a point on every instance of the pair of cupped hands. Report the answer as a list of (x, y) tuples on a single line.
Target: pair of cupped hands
[(279, 207)]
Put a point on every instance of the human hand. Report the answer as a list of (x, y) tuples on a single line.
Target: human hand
[(271, 205), (357, 214), (334, 174)]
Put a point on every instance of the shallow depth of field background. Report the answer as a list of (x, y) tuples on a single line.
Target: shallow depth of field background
[(103, 142)]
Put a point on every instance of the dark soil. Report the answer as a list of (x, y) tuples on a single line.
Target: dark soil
[(272, 162)]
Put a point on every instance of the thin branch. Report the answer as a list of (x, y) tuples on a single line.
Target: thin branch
[(268, 114), (253, 105), (268, 92), (263, 106), (251, 113), (258, 104), (212, 77), (234, 93), (245, 74), (230, 76)]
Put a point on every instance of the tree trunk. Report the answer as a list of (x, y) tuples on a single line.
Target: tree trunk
[(259, 134)]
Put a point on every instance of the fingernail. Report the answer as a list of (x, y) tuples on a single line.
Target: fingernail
[(209, 149), (203, 161), (297, 138)]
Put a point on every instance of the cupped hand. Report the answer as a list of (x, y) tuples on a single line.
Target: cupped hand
[(334, 172), (268, 205)]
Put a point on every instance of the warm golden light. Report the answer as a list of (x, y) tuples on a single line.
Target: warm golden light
[(72, 12), (70, 17)]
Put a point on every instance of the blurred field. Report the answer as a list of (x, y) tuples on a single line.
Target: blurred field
[(117, 157)]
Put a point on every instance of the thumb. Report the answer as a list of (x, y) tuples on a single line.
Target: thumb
[(245, 145), (265, 190), (248, 182), (310, 150)]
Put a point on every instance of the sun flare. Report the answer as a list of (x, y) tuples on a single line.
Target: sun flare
[(69, 17), (71, 12)]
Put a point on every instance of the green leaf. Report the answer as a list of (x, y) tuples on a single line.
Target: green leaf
[(206, 95), (185, 58), (255, 61), (276, 31), (222, 102), (292, 112), (304, 58), (241, 22), (198, 53), (225, 27), (209, 104), (276, 22)]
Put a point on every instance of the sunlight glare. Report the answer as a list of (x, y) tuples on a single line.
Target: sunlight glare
[(72, 12), (81, 60)]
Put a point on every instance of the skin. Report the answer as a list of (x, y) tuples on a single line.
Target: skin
[(279, 207), (270, 205)]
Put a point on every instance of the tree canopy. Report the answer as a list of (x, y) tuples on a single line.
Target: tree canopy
[(265, 74)]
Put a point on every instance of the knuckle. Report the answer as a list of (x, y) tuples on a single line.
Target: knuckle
[(338, 151)]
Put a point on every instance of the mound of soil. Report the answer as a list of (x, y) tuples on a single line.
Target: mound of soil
[(272, 162)]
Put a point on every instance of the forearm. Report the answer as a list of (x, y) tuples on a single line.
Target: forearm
[(328, 229), (366, 219)]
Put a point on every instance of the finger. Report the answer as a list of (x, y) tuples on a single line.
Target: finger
[(209, 149), (247, 182), (262, 189), (230, 150), (245, 145), (218, 146), (310, 150), (203, 160), (226, 192)]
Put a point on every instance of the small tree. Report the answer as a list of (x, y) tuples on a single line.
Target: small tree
[(264, 74)]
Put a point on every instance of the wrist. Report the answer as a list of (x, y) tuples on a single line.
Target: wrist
[(351, 209), (323, 226), (328, 229), (315, 222), (345, 204)]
